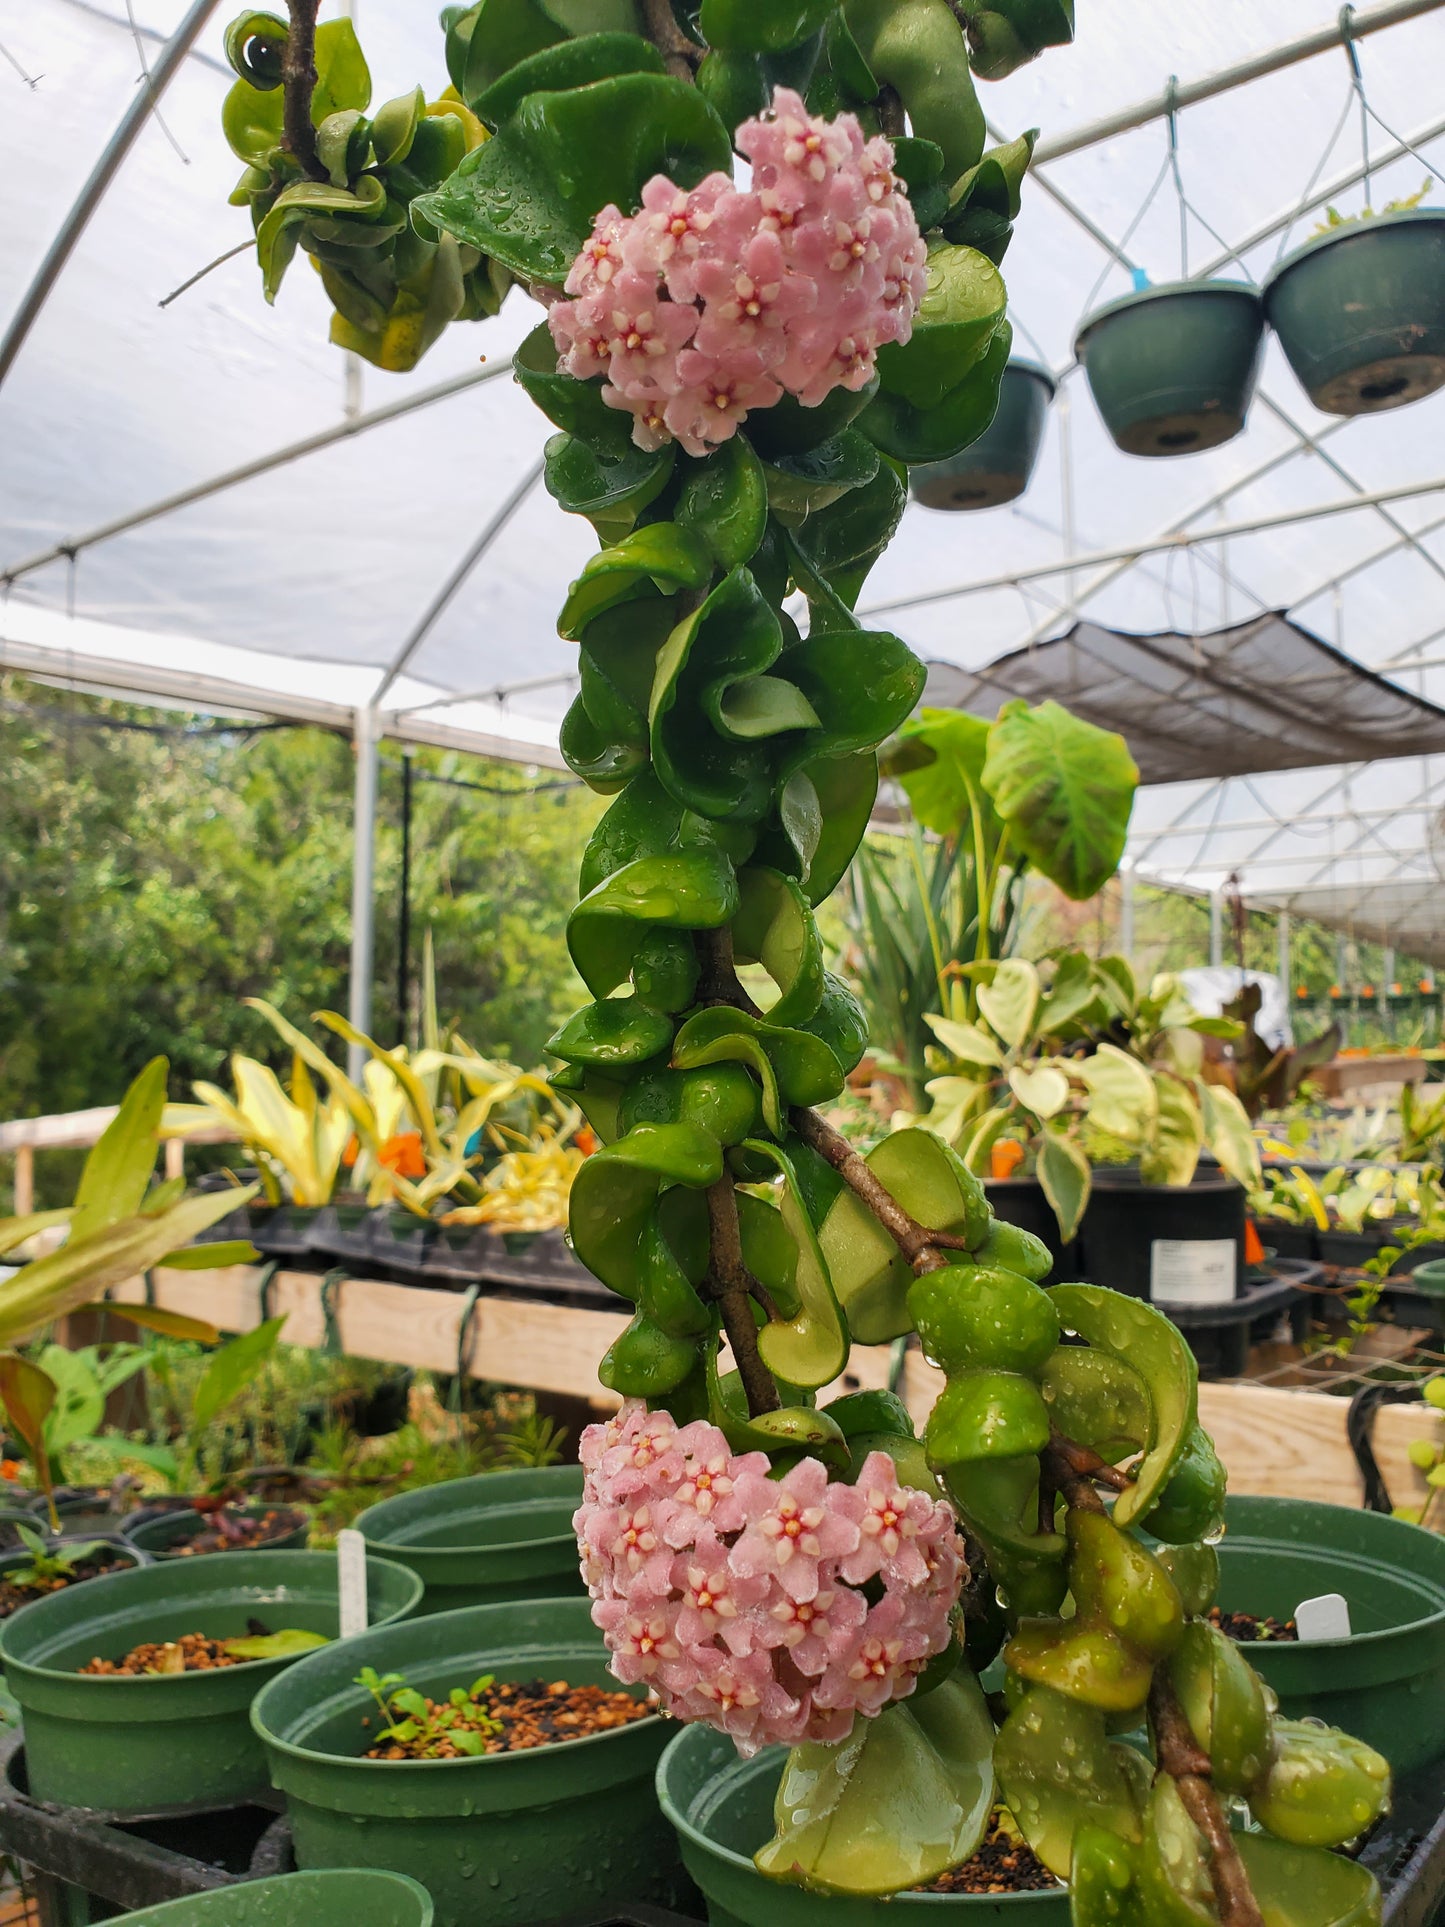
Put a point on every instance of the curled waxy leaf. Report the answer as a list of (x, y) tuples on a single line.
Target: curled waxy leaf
[(978, 1315), (721, 1099), (645, 1361), (840, 1022), (256, 47), (984, 204), (905, 1797), (1119, 1583), (679, 890), (1195, 1571), (986, 1415), (1058, 1771), (662, 555), (604, 762), (1303, 1887), (792, 1067), (1321, 1788), (665, 970), (571, 63), (824, 804), (1014, 1249), (952, 330), (917, 46), (1224, 1704), (811, 1347), (861, 683), (871, 1413), (762, 26), (869, 1272), (775, 927), (702, 759), (724, 502), (803, 481), (614, 1193), (1098, 1401), (528, 195), (912, 434), (1088, 1663), (604, 475), (1174, 1881), (617, 1031), (1136, 1334), (1103, 1879), (999, 1500), (1191, 1504)]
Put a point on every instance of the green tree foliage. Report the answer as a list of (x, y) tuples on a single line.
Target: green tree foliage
[(149, 882)]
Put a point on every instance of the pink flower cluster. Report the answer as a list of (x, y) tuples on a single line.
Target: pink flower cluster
[(738, 1598), (708, 303)]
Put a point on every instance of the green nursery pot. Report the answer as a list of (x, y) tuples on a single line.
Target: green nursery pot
[(504, 1837), (157, 1740), (722, 1809), (1360, 312), (162, 1537), (1172, 369), (472, 1542), (997, 467), (1386, 1683), (343, 1898), (1428, 1278)]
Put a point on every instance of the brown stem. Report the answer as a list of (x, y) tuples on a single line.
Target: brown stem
[(717, 981), (890, 112), (298, 83), (1076, 1461), (1188, 1767), (681, 56), (919, 1245), (732, 1287)]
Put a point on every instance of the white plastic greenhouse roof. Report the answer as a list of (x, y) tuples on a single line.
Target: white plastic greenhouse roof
[(297, 589)]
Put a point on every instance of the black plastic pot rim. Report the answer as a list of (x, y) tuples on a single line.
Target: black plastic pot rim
[(1140, 297), (1349, 231)]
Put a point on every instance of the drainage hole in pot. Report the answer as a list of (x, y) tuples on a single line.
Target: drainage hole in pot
[(200, 1653), (1384, 390), (1247, 1628), (489, 1716), (1003, 1863), (1179, 438)]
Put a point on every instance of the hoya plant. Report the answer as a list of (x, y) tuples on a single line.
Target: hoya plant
[(739, 370)]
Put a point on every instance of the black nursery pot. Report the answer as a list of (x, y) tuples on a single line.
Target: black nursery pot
[(1174, 1244), (283, 1230)]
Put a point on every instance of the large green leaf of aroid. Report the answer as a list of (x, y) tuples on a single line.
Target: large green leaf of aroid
[(1065, 788)]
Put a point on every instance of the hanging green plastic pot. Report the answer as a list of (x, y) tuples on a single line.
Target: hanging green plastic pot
[(1172, 369), (500, 1535), (341, 1898), (997, 467), (1360, 312), (1386, 1683), (722, 1809), (136, 1743), (505, 1837), (166, 1537)]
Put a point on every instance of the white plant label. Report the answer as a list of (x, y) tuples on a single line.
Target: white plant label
[(1326, 1617), (351, 1581), (1192, 1271)]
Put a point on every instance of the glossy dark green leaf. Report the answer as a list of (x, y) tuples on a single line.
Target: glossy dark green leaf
[(912, 434), (605, 476), (841, 543), (800, 484), (810, 1347), (985, 202), (645, 1361), (724, 501), (762, 26), (614, 1032), (721, 1099), (679, 890), (794, 1068), (862, 683), (734, 635), (986, 1414), (1098, 1400), (841, 1022), (603, 761), (528, 196), (615, 1193), (662, 557), (644, 821), (570, 63), (955, 323), (917, 47), (775, 928)]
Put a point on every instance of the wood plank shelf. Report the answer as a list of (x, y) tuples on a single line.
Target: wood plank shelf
[(1274, 1441)]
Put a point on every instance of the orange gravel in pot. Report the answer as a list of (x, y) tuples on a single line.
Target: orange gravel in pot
[(191, 1653), (1003, 1864)]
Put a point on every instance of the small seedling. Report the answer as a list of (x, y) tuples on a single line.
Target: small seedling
[(51, 1566), (463, 1719)]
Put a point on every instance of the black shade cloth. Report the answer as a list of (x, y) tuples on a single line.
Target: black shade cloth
[(1262, 695)]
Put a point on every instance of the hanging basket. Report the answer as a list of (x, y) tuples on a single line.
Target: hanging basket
[(998, 467), (1172, 369), (1360, 312)]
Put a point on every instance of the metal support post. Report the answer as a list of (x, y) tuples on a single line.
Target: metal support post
[(363, 881)]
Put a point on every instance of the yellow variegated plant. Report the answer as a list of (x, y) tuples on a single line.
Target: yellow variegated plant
[(1072, 1059), (298, 1138), (118, 1226), (525, 1190)]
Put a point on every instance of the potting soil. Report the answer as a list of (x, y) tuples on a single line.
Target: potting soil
[(516, 1715), (1002, 1864), (1247, 1628), (224, 1532), (13, 1595)]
